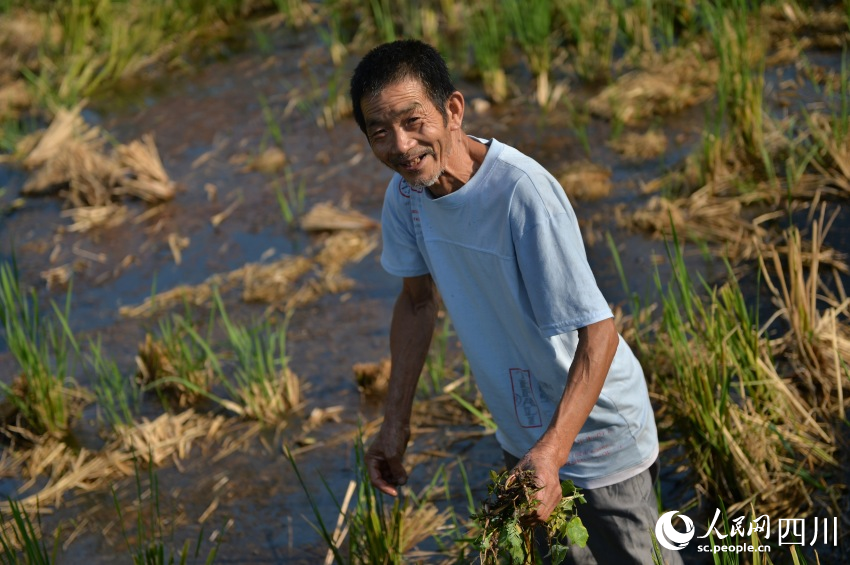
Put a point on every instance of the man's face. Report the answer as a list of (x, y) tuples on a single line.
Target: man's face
[(407, 133)]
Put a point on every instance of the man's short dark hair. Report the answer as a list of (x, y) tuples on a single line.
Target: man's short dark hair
[(394, 62)]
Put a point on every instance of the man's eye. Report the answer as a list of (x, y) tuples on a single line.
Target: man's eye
[(377, 134), (413, 121)]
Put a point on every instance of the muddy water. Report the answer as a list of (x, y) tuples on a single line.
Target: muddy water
[(203, 123)]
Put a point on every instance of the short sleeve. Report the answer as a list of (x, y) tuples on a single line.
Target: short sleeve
[(401, 255), (561, 288)]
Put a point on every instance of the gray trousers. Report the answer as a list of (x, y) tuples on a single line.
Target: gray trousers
[(618, 519)]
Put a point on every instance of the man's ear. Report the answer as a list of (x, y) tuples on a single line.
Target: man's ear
[(454, 110)]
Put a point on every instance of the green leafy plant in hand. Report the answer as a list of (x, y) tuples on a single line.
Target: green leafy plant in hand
[(503, 520)]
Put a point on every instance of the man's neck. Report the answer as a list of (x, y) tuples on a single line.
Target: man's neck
[(464, 162)]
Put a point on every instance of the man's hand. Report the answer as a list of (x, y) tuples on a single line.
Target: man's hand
[(383, 459), (543, 462)]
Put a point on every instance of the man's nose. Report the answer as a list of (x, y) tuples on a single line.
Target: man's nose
[(402, 141)]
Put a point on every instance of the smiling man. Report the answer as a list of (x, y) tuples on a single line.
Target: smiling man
[(495, 233)]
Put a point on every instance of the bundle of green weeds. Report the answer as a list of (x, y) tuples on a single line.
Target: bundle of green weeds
[(503, 520)]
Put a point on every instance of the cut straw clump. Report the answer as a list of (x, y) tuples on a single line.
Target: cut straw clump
[(712, 195), (503, 533), (831, 135), (169, 436), (325, 216), (147, 179), (816, 345), (682, 80), (636, 147), (373, 378), (823, 28), (286, 283), (68, 469), (586, 181), (86, 218), (269, 398), (69, 157), (702, 216)]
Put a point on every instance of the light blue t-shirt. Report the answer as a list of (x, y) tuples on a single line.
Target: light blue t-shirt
[(506, 254)]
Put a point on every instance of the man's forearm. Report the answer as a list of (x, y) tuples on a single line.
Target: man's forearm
[(410, 337), (595, 351)]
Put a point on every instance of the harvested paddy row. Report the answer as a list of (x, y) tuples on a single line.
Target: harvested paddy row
[(224, 360)]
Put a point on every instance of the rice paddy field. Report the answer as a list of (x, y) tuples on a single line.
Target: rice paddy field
[(194, 321)]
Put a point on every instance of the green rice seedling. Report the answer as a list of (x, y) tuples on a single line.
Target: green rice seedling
[(797, 163), (336, 104), (456, 539), (740, 87), (592, 26), (381, 12), (263, 41), (331, 32), (489, 40), (263, 386), (12, 131), (327, 101), (430, 25), (97, 43), (847, 11), (117, 396), (296, 13), (665, 14), (21, 540), (747, 434), (291, 196), (409, 18), (332, 538), (179, 363), (579, 122), (437, 364), (502, 534), (452, 28), (531, 23), (11, 206), (635, 19), (96, 46), (44, 350), (830, 133), (153, 544), (651, 25), (273, 130), (377, 532), (478, 411)]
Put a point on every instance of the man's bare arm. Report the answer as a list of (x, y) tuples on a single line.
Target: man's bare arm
[(412, 327), (597, 344)]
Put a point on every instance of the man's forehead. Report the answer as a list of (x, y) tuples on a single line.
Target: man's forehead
[(396, 99), (402, 88)]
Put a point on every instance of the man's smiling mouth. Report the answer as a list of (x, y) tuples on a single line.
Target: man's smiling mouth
[(412, 163)]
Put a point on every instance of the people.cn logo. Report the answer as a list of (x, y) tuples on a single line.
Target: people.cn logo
[(668, 536)]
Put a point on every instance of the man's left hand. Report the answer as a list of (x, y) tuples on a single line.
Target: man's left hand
[(540, 460)]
